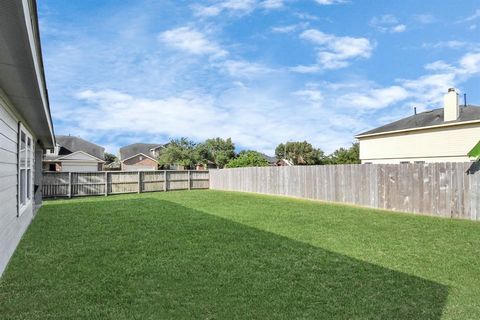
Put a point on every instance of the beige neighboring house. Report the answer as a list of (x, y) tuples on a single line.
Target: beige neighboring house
[(139, 157), (74, 154), (441, 135)]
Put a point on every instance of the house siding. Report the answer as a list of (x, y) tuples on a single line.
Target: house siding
[(135, 164), (72, 166), (449, 144), (12, 226)]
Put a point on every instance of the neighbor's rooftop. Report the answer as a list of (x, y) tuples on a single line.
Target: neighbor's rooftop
[(427, 119), (131, 150)]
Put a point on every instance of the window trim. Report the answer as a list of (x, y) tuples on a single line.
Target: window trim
[(29, 165)]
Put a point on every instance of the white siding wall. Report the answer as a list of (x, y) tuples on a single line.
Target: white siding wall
[(449, 144), (12, 227)]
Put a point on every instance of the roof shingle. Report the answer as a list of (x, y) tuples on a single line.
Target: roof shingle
[(426, 119), (72, 144), (136, 148)]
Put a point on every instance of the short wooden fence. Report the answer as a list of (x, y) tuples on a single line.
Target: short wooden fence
[(73, 184), (441, 189)]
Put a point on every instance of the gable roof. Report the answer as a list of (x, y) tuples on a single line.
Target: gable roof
[(136, 148), (72, 144), (139, 154), (426, 119), (72, 156)]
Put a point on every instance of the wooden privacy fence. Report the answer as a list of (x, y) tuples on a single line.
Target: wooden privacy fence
[(441, 189), (72, 184)]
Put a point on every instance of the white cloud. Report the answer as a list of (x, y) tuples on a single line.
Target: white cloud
[(399, 28), (238, 4), (330, 2), (305, 16), (243, 69), (314, 68), (254, 118), (290, 28), (425, 91), (387, 23), (191, 41), (451, 44), (439, 65), (272, 4), (470, 63), (313, 95), (424, 18), (236, 7), (376, 98), (334, 52), (473, 17)]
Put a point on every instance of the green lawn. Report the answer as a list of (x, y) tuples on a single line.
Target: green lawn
[(220, 255)]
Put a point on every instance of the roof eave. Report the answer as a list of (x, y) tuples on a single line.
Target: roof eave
[(359, 136), (31, 20)]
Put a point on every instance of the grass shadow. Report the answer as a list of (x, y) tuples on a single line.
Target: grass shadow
[(149, 258)]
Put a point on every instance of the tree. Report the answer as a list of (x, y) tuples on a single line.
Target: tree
[(345, 156), (248, 159), (179, 152), (219, 151), (299, 153), (109, 157)]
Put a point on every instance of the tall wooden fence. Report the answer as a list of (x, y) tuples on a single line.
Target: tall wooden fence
[(72, 184), (441, 189)]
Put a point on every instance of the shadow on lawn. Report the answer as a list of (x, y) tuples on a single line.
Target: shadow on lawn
[(167, 259)]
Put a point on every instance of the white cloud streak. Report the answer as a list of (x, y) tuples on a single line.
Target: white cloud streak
[(329, 2), (334, 52), (191, 41), (236, 7), (387, 23)]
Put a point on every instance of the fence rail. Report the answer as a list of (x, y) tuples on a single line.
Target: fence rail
[(441, 189), (73, 184)]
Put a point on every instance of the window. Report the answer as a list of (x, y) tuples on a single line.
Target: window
[(25, 167)]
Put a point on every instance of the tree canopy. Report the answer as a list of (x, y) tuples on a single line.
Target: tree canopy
[(299, 153), (109, 157), (345, 155), (217, 150), (179, 152), (248, 159)]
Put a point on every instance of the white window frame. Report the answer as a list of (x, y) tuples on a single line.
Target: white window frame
[(25, 182)]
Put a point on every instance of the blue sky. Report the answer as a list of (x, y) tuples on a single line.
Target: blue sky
[(259, 71)]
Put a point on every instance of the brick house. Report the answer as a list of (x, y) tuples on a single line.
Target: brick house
[(139, 157)]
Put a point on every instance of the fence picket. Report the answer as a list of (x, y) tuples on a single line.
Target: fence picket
[(441, 189), (72, 184)]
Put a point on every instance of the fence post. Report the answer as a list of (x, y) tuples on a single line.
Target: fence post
[(69, 184), (139, 181), (189, 180), (106, 183), (165, 180)]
